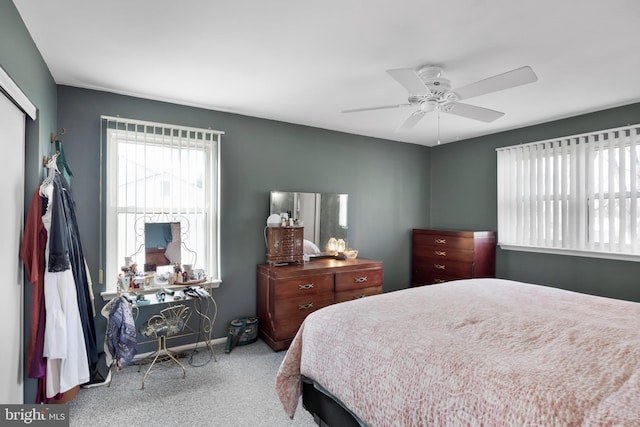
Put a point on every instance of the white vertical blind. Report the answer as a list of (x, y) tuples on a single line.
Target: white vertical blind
[(611, 191), (161, 173), (578, 193), (634, 188)]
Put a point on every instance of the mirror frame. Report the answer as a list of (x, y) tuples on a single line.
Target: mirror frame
[(140, 226)]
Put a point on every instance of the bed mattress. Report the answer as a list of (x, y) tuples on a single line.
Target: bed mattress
[(473, 352)]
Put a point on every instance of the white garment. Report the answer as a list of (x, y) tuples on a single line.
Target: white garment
[(64, 346)]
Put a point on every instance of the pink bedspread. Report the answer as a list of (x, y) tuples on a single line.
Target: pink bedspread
[(473, 352)]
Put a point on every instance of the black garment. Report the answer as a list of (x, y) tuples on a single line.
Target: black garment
[(58, 233), (64, 242)]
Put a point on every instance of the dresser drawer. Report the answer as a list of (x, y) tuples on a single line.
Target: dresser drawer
[(358, 279), (450, 268), (304, 286), (422, 277), (290, 313), (442, 240), (435, 254), (357, 293), (301, 306)]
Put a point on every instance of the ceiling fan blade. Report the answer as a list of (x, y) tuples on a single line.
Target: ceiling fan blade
[(382, 107), (473, 112), (408, 78), (411, 121), (513, 78)]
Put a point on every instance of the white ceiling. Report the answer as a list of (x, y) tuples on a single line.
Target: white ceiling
[(302, 62)]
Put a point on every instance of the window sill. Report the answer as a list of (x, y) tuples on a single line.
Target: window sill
[(571, 252)]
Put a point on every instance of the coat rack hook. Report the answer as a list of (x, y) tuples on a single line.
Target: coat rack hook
[(54, 137)]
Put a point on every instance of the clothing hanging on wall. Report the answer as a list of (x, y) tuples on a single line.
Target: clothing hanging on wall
[(62, 344), (70, 235), (61, 163), (32, 255)]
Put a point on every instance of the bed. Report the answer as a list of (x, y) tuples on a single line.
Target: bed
[(468, 352)]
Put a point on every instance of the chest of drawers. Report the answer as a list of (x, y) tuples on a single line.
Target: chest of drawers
[(287, 294), (443, 255)]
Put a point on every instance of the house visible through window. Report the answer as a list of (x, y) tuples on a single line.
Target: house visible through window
[(157, 173), (578, 195)]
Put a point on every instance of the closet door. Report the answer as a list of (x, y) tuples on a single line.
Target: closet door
[(12, 124)]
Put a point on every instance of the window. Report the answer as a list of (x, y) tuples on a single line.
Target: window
[(578, 195), (157, 173)]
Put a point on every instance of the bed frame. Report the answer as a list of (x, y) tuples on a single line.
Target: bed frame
[(327, 411)]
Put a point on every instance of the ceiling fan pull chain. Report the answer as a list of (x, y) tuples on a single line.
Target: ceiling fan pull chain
[(438, 125)]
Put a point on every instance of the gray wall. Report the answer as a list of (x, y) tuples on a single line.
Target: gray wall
[(20, 58), (464, 195), (387, 183)]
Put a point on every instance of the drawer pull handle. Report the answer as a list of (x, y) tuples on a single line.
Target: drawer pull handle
[(361, 279), (439, 281), (305, 306), (439, 266), (441, 253), (305, 286), (441, 241), (359, 296)]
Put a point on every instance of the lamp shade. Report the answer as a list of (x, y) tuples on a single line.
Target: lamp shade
[(332, 245), (273, 220)]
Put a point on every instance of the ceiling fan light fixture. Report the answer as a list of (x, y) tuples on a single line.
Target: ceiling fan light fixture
[(428, 105)]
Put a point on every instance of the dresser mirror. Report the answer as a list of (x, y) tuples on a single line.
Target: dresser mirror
[(162, 243), (323, 215)]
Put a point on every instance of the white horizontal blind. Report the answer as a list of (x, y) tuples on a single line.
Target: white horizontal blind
[(578, 193), (161, 173)]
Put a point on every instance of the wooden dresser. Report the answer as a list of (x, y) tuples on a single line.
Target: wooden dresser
[(442, 255), (287, 294)]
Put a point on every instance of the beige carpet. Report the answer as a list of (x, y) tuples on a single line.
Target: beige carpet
[(236, 390)]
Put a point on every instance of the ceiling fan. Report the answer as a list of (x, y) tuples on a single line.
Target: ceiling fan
[(429, 91)]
